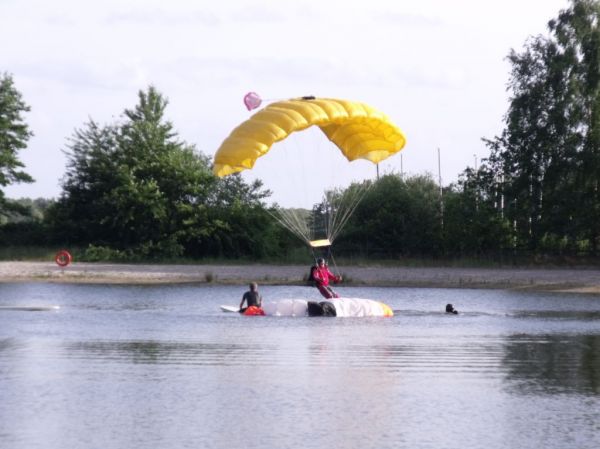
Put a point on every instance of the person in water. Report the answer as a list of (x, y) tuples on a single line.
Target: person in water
[(322, 276), (251, 298), (450, 309)]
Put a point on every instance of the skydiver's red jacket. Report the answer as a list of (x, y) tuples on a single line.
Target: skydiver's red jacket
[(322, 276)]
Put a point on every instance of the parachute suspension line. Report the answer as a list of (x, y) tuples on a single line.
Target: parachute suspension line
[(341, 206), (335, 267), (292, 221), (321, 227), (353, 203)]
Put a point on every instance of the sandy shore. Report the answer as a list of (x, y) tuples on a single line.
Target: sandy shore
[(576, 280)]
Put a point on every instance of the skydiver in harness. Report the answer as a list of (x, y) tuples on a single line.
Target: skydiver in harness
[(321, 275)]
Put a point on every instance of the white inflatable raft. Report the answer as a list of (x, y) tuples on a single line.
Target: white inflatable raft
[(340, 307)]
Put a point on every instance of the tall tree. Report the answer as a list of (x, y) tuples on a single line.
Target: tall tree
[(548, 155), (135, 188), (472, 224), (396, 217), (577, 33), (131, 185), (14, 135)]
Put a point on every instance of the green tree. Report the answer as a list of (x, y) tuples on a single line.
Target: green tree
[(24, 223), (577, 32), (396, 217), (135, 189), (548, 154), (234, 222), (14, 135), (132, 186), (474, 225)]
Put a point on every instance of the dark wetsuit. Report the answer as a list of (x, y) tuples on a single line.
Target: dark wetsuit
[(450, 309), (252, 299)]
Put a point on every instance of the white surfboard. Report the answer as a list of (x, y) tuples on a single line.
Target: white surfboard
[(230, 309)]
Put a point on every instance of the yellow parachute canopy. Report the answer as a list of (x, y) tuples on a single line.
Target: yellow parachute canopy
[(358, 130)]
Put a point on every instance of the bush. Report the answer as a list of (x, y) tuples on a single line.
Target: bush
[(104, 254)]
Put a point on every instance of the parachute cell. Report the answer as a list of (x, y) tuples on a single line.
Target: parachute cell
[(357, 129)]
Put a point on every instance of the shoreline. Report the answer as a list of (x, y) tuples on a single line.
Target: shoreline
[(581, 280)]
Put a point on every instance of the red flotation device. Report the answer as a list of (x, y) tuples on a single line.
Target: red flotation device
[(253, 310), (63, 258)]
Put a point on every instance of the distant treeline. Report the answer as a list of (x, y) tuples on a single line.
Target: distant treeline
[(134, 191)]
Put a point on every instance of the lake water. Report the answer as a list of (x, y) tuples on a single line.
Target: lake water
[(162, 367)]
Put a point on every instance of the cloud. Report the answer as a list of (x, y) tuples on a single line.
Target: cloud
[(161, 18), (408, 20)]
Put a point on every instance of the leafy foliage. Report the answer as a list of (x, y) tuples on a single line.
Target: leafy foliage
[(473, 222), (397, 217), (548, 155), (14, 135), (134, 188)]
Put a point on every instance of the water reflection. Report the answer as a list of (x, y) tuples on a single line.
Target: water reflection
[(166, 353), (551, 364), (546, 364), (578, 315), (9, 344)]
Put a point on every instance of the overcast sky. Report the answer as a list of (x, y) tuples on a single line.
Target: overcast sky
[(436, 68)]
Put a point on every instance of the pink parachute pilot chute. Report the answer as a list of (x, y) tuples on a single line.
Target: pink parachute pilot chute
[(252, 100)]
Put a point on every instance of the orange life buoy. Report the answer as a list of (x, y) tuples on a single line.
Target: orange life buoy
[(253, 311), (63, 258)]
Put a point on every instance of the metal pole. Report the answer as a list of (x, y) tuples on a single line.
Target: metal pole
[(401, 167), (441, 189), (475, 170), (502, 197)]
